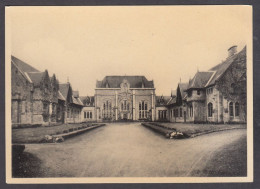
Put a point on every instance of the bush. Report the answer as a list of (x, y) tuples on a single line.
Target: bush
[(65, 131), (70, 130), (58, 133)]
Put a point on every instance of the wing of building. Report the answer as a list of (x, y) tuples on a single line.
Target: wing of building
[(37, 98), (124, 98), (217, 95)]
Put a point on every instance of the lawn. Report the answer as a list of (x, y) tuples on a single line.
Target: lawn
[(192, 130), (34, 135)]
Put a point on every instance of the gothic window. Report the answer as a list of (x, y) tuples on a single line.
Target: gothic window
[(107, 110), (180, 112), (231, 111), (210, 109), (85, 115), (90, 115), (143, 110)]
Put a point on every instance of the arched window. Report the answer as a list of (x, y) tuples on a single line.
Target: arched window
[(210, 109), (236, 109), (180, 112), (231, 111), (107, 110), (143, 110), (191, 111)]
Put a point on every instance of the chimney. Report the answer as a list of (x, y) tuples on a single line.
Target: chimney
[(232, 50)]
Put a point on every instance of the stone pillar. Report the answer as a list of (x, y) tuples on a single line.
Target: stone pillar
[(134, 112), (152, 105), (116, 106)]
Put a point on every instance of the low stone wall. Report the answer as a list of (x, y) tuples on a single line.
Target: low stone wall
[(60, 137)]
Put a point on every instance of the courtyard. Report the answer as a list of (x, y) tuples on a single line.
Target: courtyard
[(132, 150)]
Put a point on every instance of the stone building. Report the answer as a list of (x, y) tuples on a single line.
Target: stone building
[(178, 109), (73, 104), (161, 109), (124, 98), (88, 111), (217, 95), (35, 95)]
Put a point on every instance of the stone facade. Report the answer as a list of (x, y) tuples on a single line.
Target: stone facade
[(34, 95), (88, 111), (124, 98), (217, 95)]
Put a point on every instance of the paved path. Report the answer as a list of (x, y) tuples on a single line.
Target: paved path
[(129, 149)]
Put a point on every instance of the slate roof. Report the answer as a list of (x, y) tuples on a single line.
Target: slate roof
[(162, 100), (64, 88), (77, 101), (134, 81), (60, 96), (172, 100), (221, 68), (183, 88), (24, 67), (88, 100), (200, 79), (36, 77)]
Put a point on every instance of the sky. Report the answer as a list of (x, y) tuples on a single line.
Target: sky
[(167, 44)]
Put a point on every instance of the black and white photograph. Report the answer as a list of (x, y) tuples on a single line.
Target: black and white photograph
[(114, 94)]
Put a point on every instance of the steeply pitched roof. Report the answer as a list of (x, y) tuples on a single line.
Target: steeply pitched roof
[(221, 68), (134, 81), (64, 88), (36, 77), (162, 100), (60, 96), (200, 79), (183, 88), (172, 101), (88, 100), (24, 67)]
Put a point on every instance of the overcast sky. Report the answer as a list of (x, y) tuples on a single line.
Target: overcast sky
[(162, 43)]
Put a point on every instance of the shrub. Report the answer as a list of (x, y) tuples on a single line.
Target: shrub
[(57, 133), (71, 129)]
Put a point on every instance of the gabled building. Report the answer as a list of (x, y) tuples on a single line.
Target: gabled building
[(72, 102), (88, 111), (34, 95), (217, 95), (124, 98), (178, 110), (161, 108)]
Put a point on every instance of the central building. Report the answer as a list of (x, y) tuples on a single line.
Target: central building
[(124, 98)]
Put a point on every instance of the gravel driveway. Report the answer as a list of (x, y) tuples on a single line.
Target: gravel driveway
[(131, 150)]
